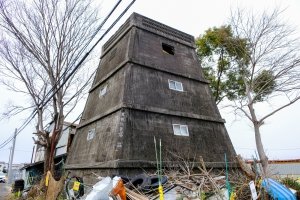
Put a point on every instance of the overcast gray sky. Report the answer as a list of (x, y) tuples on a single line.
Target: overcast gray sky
[(280, 134)]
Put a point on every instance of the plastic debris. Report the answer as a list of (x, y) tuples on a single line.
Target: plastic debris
[(277, 190), (118, 190), (101, 190)]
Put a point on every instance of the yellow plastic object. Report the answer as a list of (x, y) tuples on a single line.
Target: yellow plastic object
[(17, 194), (119, 190), (76, 186), (47, 178), (161, 193), (233, 196)]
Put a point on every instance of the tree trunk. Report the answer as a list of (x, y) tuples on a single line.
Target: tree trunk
[(220, 72), (52, 152), (259, 146), (260, 149), (54, 188), (46, 159)]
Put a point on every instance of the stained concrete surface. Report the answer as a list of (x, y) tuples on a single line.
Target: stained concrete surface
[(117, 128)]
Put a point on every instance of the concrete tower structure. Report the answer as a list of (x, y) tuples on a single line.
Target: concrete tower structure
[(149, 83)]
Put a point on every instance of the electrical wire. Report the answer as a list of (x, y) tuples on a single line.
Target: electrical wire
[(85, 46), (91, 49), (71, 73)]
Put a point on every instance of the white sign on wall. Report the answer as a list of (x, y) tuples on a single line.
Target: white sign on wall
[(91, 134)]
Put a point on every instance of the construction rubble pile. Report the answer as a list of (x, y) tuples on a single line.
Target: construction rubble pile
[(187, 181), (184, 184), (146, 187)]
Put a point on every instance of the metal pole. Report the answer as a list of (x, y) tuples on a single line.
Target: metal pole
[(32, 154), (9, 160), (12, 158)]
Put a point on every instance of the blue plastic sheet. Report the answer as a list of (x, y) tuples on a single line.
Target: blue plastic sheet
[(277, 190)]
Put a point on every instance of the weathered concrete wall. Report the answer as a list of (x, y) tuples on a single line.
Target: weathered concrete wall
[(139, 104), (99, 105), (113, 59), (148, 89), (102, 147), (207, 139), (147, 50), (125, 138)]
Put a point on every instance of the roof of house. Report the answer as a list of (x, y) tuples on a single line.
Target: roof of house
[(275, 161), (41, 162), (284, 168)]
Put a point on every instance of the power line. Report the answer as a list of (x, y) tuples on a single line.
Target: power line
[(112, 25), (80, 90), (87, 54), (91, 49), (93, 36), (52, 89), (28, 120), (6, 142), (72, 72), (32, 115), (86, 45)]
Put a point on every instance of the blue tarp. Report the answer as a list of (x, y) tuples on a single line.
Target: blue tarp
[(277, 190)]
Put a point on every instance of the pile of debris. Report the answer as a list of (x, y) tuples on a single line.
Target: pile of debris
[(146, 187), (185, 181), (174, 184)]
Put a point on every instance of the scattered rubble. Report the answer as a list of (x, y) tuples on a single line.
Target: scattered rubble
[(192, 184), (184, 183)]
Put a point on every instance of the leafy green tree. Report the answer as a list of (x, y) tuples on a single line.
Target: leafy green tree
[(255, 59), (221, 55)]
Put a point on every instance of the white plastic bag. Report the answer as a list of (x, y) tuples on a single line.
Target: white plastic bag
[(101, 190)]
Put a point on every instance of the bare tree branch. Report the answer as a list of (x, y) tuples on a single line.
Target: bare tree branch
[(41, 43), (274, 68), (279, 109)]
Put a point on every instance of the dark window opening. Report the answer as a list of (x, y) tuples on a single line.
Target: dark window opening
[(168, 49)]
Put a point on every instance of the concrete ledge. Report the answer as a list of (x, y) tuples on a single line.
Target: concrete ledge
[(136, 62), (90, 175), (150, 109), (150, 25), (138, 164), (174, 113)]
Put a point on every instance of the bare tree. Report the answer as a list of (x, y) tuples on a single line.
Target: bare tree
[(42, 42), (273, 71)]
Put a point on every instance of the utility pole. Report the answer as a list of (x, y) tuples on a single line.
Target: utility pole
[(9, 160), (12, 158), (32, 154)]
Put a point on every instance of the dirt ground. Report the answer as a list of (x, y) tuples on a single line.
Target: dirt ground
[(5, 190)]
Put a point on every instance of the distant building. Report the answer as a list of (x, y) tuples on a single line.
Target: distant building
[(283, 168), (33, 172), (3, 166), (62, 145), (15, 168), (17, 172), (280, 168)]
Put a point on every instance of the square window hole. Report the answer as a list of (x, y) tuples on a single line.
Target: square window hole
[(168, 49)]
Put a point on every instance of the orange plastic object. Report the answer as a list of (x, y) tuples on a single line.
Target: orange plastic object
[(119, 190)]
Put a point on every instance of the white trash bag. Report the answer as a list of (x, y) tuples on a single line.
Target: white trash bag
[(101, 190)]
